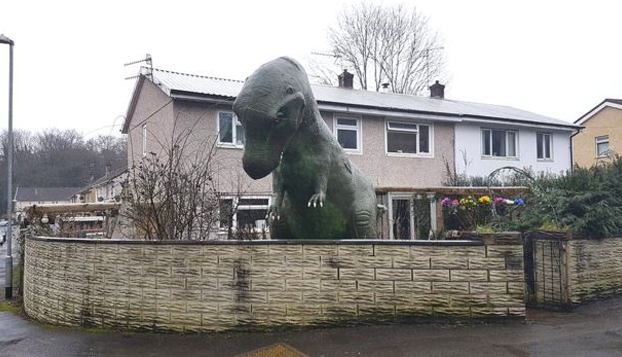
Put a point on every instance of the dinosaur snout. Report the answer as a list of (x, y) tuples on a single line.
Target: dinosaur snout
[(258, 167), (255, 170)]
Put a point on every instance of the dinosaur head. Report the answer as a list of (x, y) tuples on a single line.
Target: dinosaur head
[(270, 107)]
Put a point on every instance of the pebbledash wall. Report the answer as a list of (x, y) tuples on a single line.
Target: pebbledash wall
[(215, 286), (570, 270)]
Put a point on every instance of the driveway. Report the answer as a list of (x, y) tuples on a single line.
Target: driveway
[(592, 330)]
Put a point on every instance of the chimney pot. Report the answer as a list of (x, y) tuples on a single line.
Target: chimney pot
[(346, 79), (437, 91)]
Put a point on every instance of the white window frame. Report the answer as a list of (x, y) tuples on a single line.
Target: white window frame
[(234, 129), (358, 129), (544, 158), (234, 202), (144, 139), (601, 140), (429, 154), (506, 157)]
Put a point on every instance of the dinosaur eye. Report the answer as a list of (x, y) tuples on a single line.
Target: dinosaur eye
[(280, 114)]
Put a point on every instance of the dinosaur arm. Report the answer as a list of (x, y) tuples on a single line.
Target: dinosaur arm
[(317, 199), (321, 182), (274, 211)]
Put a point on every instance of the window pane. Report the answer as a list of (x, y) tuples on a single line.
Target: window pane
[(402, 142), (253, 202), (348, 122), (225, 210), (547, 146), (511, 143), (539, 146), (239, 134), (602, 148), (401, 219), (486, 142), (424, 138), (225, 122), (248, 217), (498, 143), (398, 126), (347, 138)]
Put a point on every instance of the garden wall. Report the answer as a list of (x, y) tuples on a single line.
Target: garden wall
[(571, 270), (214, 286)]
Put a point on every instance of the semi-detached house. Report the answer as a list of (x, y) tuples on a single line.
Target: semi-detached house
[(399, 141)]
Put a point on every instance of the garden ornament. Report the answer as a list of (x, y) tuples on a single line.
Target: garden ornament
[(319, 193)]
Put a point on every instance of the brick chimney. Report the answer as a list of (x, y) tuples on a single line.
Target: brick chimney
[(346, 79), (437, 91)]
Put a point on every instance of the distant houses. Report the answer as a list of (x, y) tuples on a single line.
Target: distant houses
[(107, 188), (29, 196)]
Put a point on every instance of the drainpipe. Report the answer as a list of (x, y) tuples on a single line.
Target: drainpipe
[(571, 149)]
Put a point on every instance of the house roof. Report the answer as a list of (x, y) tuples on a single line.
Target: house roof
[(195, 87), (607, 102), (102, 180), (44, 194)]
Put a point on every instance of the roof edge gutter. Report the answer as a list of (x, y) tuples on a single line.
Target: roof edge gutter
[(388, 113)]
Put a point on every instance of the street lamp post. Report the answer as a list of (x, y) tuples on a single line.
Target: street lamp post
[(9, 192)]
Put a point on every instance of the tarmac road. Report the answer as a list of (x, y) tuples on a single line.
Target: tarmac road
[(592, 330)]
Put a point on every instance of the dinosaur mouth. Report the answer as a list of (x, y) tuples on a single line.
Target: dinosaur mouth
[(258, 168)]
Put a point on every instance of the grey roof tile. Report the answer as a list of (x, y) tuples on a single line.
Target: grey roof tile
[(44, 194)]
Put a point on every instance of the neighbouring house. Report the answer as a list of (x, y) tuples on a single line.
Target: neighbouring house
[(403, 143), (105, 189), (29, 196), (601, 136)]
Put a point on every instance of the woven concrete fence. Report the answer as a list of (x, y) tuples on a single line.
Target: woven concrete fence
[(215, 286)]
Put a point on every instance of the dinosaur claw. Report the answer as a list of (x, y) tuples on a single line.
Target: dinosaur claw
[(314, 204), (309, 204), (321, 204)]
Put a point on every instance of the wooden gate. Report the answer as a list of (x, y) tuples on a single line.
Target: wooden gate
[(546, 270)]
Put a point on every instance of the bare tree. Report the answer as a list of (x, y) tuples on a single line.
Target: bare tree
[(171, 194), (386, 44), (185, 188)]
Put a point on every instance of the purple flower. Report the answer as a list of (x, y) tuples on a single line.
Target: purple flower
[(446, 202), (499, 200), (519, 202)]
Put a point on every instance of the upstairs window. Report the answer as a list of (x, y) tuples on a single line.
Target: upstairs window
[(602, 146), (348, 133), (144, 139), (499, 143), (543, 146), (408, 138), (230, 130)]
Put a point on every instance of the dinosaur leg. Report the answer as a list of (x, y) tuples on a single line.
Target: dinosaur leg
[(279, 229), (364, 224)]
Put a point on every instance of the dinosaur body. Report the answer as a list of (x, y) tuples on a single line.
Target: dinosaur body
[(319, 193)]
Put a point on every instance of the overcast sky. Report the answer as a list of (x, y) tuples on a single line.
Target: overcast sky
[(556, 58)]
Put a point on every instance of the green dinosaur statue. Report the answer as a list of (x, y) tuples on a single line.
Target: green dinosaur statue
[(319, 193)]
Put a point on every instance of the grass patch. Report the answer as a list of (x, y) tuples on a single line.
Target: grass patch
[(14, 307)]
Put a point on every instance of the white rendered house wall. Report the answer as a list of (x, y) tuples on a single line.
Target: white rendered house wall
[(474, 159)]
